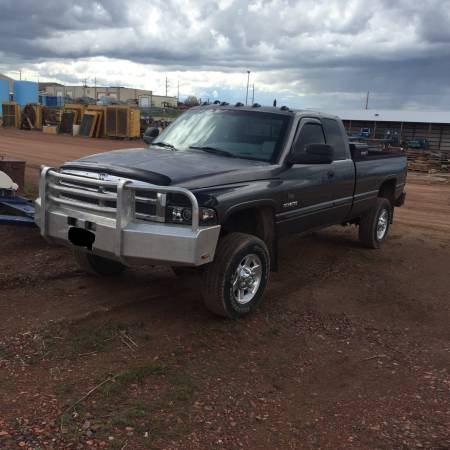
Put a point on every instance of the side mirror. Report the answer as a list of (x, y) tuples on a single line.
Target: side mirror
[(314, 154), (150, 134)]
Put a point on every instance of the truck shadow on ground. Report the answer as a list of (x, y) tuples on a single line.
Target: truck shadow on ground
[(50, 287)]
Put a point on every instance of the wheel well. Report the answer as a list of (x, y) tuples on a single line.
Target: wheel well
[(258, 222), (387, 190), (255, 221)]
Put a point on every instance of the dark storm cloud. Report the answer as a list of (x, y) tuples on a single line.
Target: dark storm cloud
[(30, 18), (24, 22), (392, 47)]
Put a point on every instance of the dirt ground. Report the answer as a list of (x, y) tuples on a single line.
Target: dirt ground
[(37, 148), (350, 349)]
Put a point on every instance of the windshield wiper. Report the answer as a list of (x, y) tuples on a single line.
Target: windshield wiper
[(216, 151), (164, 144)]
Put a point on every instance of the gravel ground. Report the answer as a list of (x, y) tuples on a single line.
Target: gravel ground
[(350, 349)]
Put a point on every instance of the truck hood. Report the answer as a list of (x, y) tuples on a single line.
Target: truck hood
[(190, 169)]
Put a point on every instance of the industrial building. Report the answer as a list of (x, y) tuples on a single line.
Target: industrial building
[(434, 126), (7, 81), (142, 97)]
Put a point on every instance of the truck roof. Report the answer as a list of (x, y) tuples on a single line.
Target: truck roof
[(283, 110)]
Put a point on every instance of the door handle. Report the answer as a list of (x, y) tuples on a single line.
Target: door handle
[(330, 174)]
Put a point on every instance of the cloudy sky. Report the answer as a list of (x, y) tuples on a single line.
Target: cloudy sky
[(305, 53)]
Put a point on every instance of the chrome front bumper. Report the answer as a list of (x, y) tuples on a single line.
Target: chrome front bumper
[(119, 233)]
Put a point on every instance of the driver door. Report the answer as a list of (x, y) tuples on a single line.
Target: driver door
[(307, 202)]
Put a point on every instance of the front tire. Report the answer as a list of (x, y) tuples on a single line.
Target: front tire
[(234, 283), (374, 225), (97, 265)]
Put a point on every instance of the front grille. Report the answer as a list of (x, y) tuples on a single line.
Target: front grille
[(100, 196)]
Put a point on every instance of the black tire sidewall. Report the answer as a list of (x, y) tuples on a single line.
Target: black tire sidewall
[(235, 309)]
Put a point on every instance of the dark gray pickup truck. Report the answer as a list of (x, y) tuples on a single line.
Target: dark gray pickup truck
[(214, 192)]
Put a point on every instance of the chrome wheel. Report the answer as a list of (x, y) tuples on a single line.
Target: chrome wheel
[(247, 278), (382, 224)]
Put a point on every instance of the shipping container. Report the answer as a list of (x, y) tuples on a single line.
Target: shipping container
[(4, 92), (52, 101), (25, 92)]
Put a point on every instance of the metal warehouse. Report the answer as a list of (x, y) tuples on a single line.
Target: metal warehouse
[(143, 97), (434, 126)]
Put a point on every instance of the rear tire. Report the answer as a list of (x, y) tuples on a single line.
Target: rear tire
[(234, 283), (374, 225), (97, 265)]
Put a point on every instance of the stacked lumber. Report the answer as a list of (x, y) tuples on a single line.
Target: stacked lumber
[(427, 161)]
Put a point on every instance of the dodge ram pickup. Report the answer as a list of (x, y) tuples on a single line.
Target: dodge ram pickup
[(214, 193)]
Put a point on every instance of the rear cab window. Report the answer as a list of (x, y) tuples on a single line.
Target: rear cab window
[(333, 135)]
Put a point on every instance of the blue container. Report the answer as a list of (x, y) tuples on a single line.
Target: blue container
[(51, 100), (25, 92), (4, 92)]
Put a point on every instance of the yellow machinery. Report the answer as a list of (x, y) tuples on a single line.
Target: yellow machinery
[(122, 122), (78, 111), (11, 114), (101, 110)]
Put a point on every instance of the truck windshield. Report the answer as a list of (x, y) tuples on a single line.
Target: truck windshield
[(225, 133)]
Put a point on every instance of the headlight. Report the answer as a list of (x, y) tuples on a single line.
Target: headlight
[(183, 215)]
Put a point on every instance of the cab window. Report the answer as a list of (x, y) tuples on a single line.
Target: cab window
[(311, 133)]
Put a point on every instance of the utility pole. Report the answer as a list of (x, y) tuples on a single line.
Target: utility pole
[(367, 99), (178, 92), (253, 93), (20, 75), (248, 81), (167, 85)]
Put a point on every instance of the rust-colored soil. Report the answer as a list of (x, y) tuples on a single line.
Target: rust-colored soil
[(350, 349), (37, 148)]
